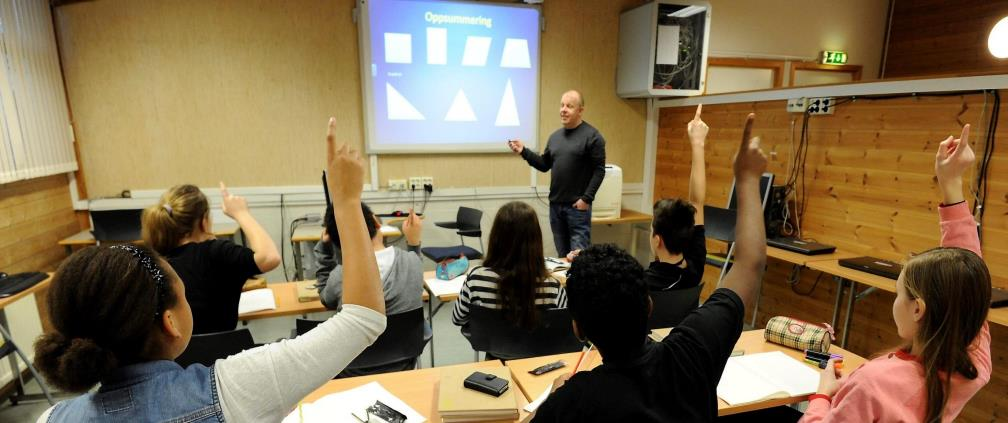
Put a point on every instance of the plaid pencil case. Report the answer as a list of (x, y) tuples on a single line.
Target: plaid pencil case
[(798, 334)]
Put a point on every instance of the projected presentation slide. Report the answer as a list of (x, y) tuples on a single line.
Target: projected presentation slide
[(450, 76)]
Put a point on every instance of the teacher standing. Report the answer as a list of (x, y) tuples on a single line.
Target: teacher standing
[(576, 155)]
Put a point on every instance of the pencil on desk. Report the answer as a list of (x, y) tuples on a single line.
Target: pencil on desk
[(584, 352)]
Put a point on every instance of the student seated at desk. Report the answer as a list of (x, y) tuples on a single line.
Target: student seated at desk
[(675, 379), (401, 271), (677, 231), (942, 299), (213, 270), (120, 317), (513, 277)]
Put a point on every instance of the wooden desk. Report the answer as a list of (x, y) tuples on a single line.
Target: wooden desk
[(313, 233), (843, 275), (85, 238), (627, 216), (39, 288), (751, 341), (287, 303), (417, 388)]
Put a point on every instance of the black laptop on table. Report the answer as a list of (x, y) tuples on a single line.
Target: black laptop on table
[(116, 225), (873, 265), (799, 246)]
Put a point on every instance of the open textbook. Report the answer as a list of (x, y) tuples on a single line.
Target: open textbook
[(756, 377), (340, 407)]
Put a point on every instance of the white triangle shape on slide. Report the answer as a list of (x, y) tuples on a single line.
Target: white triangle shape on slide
[(460, 110), (507, 114), (399, 108)]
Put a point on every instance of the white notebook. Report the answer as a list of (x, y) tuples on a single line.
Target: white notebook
[(342, 406), (443, 287), (755, 377), (256, 300)]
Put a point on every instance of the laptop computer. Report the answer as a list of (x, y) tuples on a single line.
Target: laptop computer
[(116, 225), (802, 247), (873, 265), (999, 298)]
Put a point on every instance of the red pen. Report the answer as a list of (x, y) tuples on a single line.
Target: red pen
[(581, 359)]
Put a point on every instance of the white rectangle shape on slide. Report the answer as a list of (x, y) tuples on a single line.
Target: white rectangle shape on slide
[(437, 46), (398, 48), (668, 45), (476, 51)]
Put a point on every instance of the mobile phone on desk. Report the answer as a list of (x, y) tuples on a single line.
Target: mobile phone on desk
[(546, 368), (486, 383)]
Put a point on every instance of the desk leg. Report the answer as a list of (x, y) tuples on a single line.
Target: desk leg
[(298, 273), (850, 312), (14, 367), (633, 240), (836, 303)]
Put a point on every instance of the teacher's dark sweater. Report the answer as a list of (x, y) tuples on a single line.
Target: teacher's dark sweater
[(577, 158)]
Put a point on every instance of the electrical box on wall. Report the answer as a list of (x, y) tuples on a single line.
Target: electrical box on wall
[(663, 49)]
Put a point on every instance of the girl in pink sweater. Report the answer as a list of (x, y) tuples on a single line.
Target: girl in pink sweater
[(942, 298)]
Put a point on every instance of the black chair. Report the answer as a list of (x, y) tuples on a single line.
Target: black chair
[(670, 307), (207, 348), (490, 331), (467, 223), (406, 334)]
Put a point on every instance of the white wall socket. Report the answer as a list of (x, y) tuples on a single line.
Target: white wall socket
[(820, 105), (397, 185), (796, 105), (427, 180), (415, 182)]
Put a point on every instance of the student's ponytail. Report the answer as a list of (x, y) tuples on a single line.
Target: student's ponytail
[(177, 214), (104, 303)]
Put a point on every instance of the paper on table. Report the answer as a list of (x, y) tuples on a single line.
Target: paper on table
[(553, 264), (389, 229), (338, 407), (755, 377), (534, 405), (256, 300), (443, 287)]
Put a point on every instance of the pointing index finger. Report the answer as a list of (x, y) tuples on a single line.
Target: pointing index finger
[(331, 139), (963, 139), (223, 189), (699, 108), (747, 130)]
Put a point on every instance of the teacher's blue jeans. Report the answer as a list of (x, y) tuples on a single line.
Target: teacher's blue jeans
[(571, 228)]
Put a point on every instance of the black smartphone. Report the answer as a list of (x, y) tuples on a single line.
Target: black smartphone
[(486, 383)]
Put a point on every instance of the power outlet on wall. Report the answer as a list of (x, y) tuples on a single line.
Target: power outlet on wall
[(427, 180), (796, 105), (415, 183), (397, 185), (820, 106)]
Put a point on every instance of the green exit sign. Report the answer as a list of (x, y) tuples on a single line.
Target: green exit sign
[(834, 57)]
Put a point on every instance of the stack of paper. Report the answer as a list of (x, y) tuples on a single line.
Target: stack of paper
[(342, 406), (553, 264), (307, 292), (757, 377), (256, 300), (441, 287), (456, 403)]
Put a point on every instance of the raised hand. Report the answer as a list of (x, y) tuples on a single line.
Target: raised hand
[(749, 160), (954, 156), (412, 228), (232, 205), (696, 129), (516, 146), (344, 168)]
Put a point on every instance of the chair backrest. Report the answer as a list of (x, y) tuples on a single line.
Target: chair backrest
[(116, 225), (468, 218), (208, 347), (302, 326), (403, 339), (670, 307), (490, 331)]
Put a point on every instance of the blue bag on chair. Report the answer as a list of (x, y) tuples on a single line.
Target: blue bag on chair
[(452, 268)]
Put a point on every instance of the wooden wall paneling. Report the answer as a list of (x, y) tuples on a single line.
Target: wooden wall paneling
[(934, 37), (34, 215), (870, 190), (240, 91)]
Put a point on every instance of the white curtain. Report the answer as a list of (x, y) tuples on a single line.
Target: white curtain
[(35, 134)]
